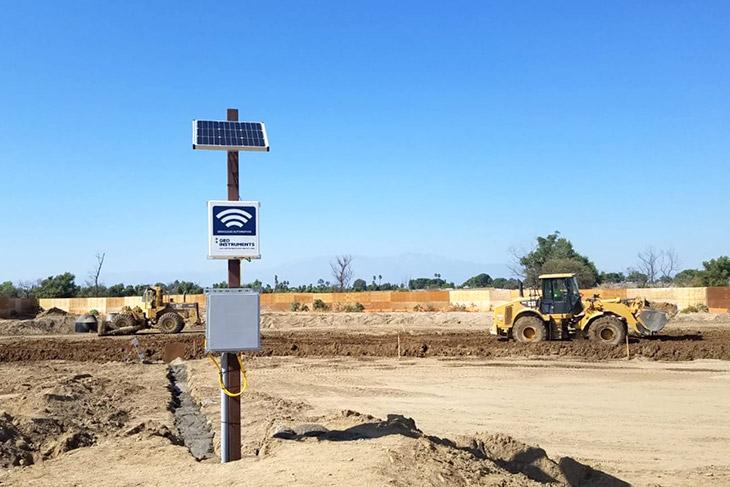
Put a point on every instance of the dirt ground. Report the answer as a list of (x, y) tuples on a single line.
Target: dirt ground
[(58, 322), (77, 423), (441, 334), (330, 403), (687, 340), (637, 421)]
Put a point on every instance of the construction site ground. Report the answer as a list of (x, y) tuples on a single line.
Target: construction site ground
[(76, 409)]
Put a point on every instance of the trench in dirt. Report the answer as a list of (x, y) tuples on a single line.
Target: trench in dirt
[(191, 424)]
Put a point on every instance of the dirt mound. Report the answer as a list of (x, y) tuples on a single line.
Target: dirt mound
[(51, 312), (517, 457), (483, 459), (669, 308), (51, 321), (672, 345)]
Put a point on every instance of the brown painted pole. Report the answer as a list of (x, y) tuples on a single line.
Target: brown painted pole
[(234, 281)]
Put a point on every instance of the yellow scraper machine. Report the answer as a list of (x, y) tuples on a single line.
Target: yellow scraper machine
[(155, 311), (559, 312)]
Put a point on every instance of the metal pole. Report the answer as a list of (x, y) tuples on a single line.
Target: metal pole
[(233, 369), (224, 410)]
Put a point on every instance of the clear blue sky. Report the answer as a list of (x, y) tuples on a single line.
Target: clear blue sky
[(455, 129)]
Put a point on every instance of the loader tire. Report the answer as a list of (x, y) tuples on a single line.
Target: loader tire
[(528, 329), (123, 320), (608, 330), (171, 322)]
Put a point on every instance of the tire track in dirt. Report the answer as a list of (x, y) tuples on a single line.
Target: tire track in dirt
[(676, 345)]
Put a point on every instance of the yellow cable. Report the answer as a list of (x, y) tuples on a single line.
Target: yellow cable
[(220, 376)]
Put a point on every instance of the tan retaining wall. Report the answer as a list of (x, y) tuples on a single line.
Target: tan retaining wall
[(480, 299), (111, 305), (717, 299), (680, 296), (371, 300)]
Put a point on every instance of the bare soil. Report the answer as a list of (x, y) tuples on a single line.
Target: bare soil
[(113, 425), (674, 344), (428, 422), (64, 407), (459, 407)]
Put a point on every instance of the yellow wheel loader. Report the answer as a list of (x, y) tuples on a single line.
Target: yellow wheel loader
[(559, 312), (154, 312)]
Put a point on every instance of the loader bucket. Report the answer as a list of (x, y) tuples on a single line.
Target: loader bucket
[(652, 319)]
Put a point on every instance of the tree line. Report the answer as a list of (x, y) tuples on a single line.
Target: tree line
[(653, 268), (64, 286), (551, 254)]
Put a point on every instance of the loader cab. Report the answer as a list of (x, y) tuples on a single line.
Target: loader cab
[(560, 295), (148, 298), (152, 297)]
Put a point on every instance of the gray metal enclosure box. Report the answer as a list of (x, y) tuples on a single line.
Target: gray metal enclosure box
[(232, 320)]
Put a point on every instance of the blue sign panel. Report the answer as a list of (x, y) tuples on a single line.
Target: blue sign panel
[(234, 220), (233, 230)]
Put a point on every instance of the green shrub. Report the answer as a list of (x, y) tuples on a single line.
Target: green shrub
[(295, 306), (349, 308), (304, 308), (320, 305), (94, 312), (424, 307), (697, 308), (457, 307)]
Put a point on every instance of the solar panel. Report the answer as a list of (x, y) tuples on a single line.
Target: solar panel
[(229, 136)]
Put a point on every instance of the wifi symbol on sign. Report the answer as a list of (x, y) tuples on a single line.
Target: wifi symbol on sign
[(234, 217)]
